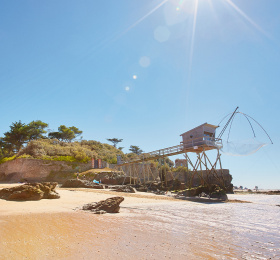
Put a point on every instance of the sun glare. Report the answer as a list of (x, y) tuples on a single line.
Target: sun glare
[(185, 11)]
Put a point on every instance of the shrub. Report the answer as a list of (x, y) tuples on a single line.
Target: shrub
[(7, 159), (52, 149)]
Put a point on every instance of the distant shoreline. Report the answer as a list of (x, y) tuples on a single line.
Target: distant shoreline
[(267, 192)]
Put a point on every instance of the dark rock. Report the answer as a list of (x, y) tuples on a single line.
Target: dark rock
[(111, 205), (142, 189), (117, 180), (127, 188), (212, 191), (187, 193), (219, 196), (76, 183), (30, 191), (229, 189), (154, 186)]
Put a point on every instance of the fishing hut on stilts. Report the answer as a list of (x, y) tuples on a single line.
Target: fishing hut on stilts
[(199, 141)]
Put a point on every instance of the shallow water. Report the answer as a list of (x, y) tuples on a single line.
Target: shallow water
[(224, 230), (163, 230)]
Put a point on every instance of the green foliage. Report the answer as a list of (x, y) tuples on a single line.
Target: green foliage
[(7, 159), (20, 134), (17, 136), (115, 141), (180, 169), (36, 130), (135, 149), (25, 156), (65, 133), (163, 168), (112, 161), (131, 156), (166, 160), (53, 149)]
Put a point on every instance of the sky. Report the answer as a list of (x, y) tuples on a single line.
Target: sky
[(146, 71)]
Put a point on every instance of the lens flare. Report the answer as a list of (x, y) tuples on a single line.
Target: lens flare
[(144, 61)]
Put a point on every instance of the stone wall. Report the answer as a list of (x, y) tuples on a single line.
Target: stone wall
[(37, 170)]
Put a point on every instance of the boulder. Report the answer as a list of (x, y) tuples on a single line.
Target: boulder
[(127, 188), (220, 196), (30, 191), (211, 191), (142, 189), (76, 183), (117, 180), (111, 205)]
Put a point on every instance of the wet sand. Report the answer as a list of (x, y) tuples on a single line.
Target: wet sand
[(148, 227)]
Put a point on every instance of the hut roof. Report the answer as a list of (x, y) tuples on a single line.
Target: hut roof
[(205, 124)]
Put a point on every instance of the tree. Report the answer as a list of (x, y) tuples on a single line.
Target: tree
[(36, 130), (65, 133), (120, 148), (135, 149), (169, 162), (20, 134), (17, 136), (115, 141)]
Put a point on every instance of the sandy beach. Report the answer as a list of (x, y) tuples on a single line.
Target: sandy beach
[(147, 227)]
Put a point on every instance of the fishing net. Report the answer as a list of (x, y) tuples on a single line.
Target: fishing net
[(239, 135), (241, 148)]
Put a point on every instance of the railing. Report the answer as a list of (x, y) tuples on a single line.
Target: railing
[(181, 148), (203, 140)]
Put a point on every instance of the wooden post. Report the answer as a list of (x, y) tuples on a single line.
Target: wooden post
[(129, 168), (165, 175)]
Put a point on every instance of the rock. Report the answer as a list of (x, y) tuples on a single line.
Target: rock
[(111, 205), (154, 186), (76, 183), (30, 191), (219, 196), (52, 195), (127, 188), (212, 191), (142, 189), (117, 180), (187, 193)]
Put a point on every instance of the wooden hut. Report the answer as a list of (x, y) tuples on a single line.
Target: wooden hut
[(201, 136)]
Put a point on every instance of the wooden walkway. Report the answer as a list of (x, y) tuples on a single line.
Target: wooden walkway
[(194, 147)]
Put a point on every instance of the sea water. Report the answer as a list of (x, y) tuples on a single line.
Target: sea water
[(216, 230)]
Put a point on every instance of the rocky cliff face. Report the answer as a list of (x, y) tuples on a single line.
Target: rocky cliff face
[(36, 170)]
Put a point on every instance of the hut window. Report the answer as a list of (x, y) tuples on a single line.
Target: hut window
[(208, 134)]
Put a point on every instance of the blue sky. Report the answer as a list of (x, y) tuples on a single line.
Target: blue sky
[(145, 71)]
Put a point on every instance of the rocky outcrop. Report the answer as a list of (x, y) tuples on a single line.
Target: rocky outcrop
[(127, 188), (212, 191), (76, 183), (35, 170), (111, 205), (142, 188), (30, 191), (115, 179)]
